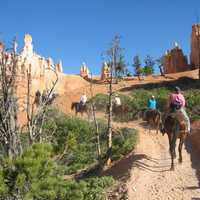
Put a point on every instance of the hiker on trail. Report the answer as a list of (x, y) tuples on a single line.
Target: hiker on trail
[(177, 102), (151, 104)]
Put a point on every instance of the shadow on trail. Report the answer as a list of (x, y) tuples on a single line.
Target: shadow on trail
[(121, 170), (152, 168), (192, 188)]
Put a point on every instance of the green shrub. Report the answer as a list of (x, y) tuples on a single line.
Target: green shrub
[(75, 140), (124, 142), (148, 70), (193, 103), (141, 96), (100, 101), (35, 176), (96, 188)]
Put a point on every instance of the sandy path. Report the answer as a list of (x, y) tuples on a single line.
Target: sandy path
[(150, 177)]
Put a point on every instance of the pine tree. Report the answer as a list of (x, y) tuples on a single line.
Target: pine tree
[(137, 66)]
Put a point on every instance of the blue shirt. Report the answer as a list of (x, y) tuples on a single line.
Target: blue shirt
[(151, 104)]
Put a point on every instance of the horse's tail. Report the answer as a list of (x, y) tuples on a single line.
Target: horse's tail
[(142, 113), (72, 106)]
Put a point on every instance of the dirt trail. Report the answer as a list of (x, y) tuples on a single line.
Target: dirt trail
[(150, 178)]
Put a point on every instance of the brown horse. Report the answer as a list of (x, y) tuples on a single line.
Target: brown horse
[(175, 127), (153, 118), (120, 111), (79, 108)]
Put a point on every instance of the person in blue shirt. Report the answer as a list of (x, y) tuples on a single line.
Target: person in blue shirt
[(151, 104)]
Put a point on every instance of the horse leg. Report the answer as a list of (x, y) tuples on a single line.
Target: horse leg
[(76, 110), (150, 125), (169, 140), (157, 127), (157, 124), (172, 156), (149, 128), (172, 161), (173, 149), (180, 150)]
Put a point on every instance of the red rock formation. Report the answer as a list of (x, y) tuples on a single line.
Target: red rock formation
[(105, 72), (175, 61), (195, 46)]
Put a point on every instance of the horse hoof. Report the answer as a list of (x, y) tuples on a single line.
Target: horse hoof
[(180, 160)]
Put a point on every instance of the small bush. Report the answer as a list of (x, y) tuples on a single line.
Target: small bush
[(124, 142), (75, 139), (100, 101), (148, 70), (96, 188), (193, 103)]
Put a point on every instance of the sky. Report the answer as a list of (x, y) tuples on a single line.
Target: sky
[(78, 31)]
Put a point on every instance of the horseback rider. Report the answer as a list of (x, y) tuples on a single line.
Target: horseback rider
[(151, 106), (151, 103), (117, 100), (83, 99), (177, 102)]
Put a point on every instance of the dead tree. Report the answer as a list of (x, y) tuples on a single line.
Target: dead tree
[(160, 62), (110, 92), (95, 123), (112, 60), (36, 109), (9, 129)]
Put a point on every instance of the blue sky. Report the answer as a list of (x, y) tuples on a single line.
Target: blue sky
[(77, 31)]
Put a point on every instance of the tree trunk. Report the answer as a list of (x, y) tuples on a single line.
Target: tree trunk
[(96, 124), (109, 150)]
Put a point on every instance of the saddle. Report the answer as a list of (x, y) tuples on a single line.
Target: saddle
[(149, 113), (180, 122), (81, 105)]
